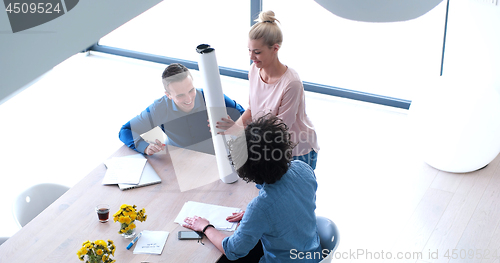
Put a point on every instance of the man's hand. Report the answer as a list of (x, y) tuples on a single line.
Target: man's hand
[(195, 223), (236, 217), (155, 147)]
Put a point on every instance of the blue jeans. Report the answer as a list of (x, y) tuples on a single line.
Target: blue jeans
[(309, 158)]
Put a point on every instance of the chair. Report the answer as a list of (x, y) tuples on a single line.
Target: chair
[(328, 236), (3, 239), (34, 200)]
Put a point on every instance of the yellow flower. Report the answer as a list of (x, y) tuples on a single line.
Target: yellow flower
[(127, 216), (100, 243), (96, 250), (88, 245)]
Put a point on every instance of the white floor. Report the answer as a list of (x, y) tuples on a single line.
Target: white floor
[(372, 182)]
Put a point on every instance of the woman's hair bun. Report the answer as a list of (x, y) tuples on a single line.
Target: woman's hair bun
[(267, 17), (267, 29)]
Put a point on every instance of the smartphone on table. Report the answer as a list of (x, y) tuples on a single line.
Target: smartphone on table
[(188, 235)]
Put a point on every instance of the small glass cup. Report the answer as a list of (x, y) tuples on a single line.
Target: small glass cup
[(102, 212)]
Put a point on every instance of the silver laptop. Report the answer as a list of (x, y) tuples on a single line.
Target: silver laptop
[(148, 177)]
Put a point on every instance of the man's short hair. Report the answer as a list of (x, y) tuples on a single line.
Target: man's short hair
[(175, 72), (264, 152)]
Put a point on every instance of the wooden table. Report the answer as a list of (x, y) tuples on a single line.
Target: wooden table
[(59, 231)]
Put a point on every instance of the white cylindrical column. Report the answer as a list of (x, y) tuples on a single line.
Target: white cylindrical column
[(216, 108)]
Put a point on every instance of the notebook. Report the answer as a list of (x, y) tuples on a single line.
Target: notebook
[(148, 177)]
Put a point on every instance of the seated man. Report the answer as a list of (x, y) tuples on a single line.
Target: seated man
[(181, 114), (281, 218)]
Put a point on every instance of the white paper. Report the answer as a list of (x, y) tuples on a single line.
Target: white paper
[(215, 214), (151, 242), (216, 109), (148, 176), (123, 170)]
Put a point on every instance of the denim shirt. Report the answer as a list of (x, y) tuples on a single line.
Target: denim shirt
[(282, 217)]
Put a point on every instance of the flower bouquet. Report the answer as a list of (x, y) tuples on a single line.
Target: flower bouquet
[(97, 251), (127, 216)]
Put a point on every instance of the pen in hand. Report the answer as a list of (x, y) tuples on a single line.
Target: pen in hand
[(134, 240), (154, 147), (157, 143)]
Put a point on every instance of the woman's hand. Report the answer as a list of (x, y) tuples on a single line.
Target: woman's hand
[(195, 223), (228, 126), (236, 217), (225, 124)]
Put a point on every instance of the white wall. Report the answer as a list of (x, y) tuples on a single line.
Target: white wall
[(473, 40), (28, 54)]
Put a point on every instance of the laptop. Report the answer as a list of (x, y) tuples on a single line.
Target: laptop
[(148, 177)]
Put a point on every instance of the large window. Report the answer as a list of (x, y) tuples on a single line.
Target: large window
[(175, 28), (375, 58)]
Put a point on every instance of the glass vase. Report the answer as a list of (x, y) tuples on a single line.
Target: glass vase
[(128, 230), (129, 234)]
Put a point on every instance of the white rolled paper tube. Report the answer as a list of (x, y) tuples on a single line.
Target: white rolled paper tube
[(216, 108)]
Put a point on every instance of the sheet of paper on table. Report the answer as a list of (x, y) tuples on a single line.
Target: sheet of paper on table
[(216, 214), (148, 177), (123, 170), (151, 242)]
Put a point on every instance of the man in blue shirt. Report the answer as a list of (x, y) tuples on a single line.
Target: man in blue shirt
[(181, 114), (281, 219)]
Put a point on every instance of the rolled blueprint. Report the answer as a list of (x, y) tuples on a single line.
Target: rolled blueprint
[(216, 108)]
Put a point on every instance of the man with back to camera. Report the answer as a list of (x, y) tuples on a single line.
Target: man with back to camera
[(281, 219), (181, 114)]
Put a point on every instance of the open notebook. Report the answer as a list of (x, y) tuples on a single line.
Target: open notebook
[(148, 177)]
